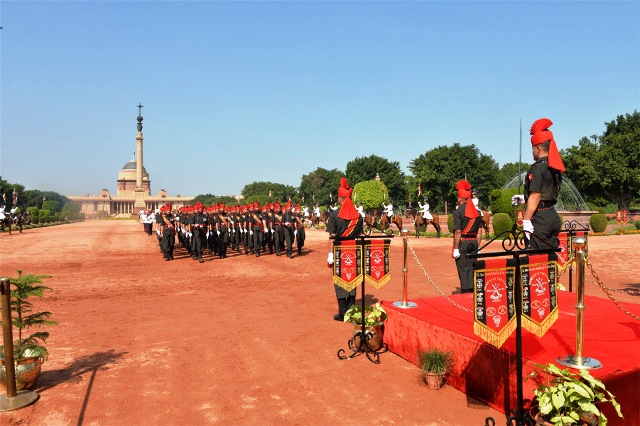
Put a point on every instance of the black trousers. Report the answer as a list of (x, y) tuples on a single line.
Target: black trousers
[(465, 265)]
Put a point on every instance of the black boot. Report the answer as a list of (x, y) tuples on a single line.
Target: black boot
[(350, 302), (342, 308)]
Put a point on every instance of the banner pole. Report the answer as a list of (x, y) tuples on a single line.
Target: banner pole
[(578, 361), (404, 304)]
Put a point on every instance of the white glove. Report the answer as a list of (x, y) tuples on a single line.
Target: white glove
[(250, 232), (272, 231), (287, 223), (234, 231), (527, 226), (231, 222), (330, 259), (218, 232), (456, 253), (294, 233), (517, 199)]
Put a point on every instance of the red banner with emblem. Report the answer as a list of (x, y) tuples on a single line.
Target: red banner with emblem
[(565, 239), (539, 298), (494, 307), (347, 264), (376, 264)]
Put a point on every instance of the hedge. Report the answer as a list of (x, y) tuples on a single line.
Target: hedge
[(598, 222)]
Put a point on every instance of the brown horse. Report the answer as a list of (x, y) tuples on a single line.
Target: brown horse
[(419, 221), (324, 216), (314, 220), (384, 222), (486, 218)]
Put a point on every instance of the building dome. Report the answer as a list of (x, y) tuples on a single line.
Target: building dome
[(128, 176)]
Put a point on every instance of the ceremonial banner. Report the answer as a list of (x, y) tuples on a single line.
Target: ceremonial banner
[(376, 266), (347, 264), (539, 298), (494, 307), (566, 245)]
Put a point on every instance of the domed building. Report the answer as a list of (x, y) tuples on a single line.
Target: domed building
[(133, 190)]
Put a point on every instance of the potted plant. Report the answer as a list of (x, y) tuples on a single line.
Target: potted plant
[(374, 317), (566, 398), (435, 365), (28, 351)]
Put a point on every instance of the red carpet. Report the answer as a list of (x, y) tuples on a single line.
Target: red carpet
[(489, 374)]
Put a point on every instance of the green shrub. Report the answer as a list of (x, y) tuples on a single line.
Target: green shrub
[(598, 222), (450, 223), (637, 224), (102, 214), (501, 222), (35, 220), (44, 213), (500, 200), (35, 212)]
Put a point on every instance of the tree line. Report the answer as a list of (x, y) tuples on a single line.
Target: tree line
[(604, 168)]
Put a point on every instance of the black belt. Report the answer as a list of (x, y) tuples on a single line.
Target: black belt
[(277, 224), (469, 236), (546, 204)]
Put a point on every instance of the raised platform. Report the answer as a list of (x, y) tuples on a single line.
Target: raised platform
[(488, 374)]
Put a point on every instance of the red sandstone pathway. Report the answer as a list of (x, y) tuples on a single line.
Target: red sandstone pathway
[(241, 340)]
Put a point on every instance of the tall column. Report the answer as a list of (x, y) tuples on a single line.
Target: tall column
[(139, 190)]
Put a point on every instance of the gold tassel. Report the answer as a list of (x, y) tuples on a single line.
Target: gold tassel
[(490, 336)]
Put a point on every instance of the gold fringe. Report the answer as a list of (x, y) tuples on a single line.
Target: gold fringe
[(377, 283), (490, 336), (539, 329), (348, 286)]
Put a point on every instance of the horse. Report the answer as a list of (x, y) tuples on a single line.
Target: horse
[(486, 218), (5, 220), (419, 221), (314, 220), (384, 221), (22, 219), (324, 216)]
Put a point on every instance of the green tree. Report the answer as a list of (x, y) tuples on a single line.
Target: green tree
[(438, 170), (362, 169), (269, 191), (370, 193), (318, 184), (608, 166), (52, 205), (34, 198)]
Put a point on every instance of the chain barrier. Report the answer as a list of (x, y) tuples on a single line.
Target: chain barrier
[(415, 256), (608, 291)]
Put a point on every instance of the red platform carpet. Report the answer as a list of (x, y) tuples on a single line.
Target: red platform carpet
[(488, 373)]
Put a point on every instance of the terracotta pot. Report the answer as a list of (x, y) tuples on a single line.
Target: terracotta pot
[(434, 380), (375, 335), (27, 372)]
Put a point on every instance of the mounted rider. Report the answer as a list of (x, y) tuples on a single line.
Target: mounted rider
[(388, 209), (360, 209), (424, 209)]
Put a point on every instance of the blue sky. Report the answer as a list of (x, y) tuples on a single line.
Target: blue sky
[(237, 92)]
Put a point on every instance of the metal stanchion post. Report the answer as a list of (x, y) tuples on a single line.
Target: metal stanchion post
[(405, 285), (578, 361), (12, 400)]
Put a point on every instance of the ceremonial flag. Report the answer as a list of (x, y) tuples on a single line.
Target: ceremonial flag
[(347, 265), (376, 266), (539, 298), (566, 245), (494, 307)]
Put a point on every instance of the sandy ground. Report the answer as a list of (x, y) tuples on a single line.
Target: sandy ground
[(241, 340)]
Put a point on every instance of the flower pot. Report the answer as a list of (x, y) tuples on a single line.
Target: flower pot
[(434, 380), (27, 372), (374, 334)]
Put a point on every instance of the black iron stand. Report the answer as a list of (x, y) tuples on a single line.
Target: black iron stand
[(363, 335), (517, 417)]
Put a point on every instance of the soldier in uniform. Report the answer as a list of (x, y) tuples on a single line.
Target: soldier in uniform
[(167, 241), (466, 223), (278, 228), (299, 232), (343, 222), (541, 187), (198, 225), (289, 220), (258, 225)]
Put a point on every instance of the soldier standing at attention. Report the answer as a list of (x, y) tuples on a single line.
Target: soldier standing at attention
[(541, 188), (466, 223), (300, 234), (344, 222), (258, 225), (289, 228)]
